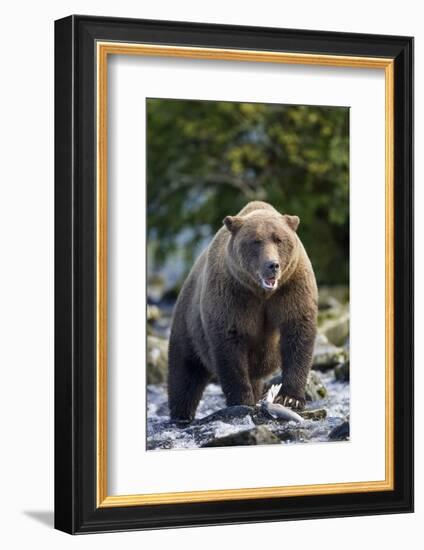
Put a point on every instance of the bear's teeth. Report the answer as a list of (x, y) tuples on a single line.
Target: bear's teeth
[(269, 283)]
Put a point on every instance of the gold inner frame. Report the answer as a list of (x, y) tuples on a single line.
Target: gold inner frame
[(103, 50)]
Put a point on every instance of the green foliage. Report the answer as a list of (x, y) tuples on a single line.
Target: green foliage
[(207, 159)]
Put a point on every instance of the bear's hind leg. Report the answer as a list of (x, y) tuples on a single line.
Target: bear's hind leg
[(231, 364), (258, 389), (187, 379)]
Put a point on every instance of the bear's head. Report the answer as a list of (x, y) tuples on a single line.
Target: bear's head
[(263, 247)]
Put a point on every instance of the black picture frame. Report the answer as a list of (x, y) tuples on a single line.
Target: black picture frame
[(76, 509)]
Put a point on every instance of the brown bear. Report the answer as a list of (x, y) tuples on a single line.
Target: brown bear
[(247, 308)]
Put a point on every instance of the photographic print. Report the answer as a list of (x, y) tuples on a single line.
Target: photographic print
[(247, 274), (214, 270)]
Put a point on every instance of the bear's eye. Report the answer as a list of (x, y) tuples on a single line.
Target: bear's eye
[(277, 239), (257, 242)]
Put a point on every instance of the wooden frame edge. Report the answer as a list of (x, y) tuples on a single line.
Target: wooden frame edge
[(101, 271), (390, 269), (103, 49), (244, 494)]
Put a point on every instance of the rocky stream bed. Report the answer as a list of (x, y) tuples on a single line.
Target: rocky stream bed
[(325, 418)]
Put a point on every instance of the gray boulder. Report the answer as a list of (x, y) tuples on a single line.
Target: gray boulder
[(315, 389), (334, 324), (341, 372), (153, 313), (340, 432), (326, 354), (330, 295), (256, 436), (325, 302), (313, 414), (227, 414), (157, 359)]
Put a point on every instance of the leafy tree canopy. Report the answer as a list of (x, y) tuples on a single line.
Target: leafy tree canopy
[(207, 159)]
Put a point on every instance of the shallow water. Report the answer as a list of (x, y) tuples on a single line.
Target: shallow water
[(162, 434)]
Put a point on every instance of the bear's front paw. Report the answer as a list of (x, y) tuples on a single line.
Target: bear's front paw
[(295, 403)]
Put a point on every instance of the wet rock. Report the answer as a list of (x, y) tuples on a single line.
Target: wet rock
[(315, 414), (157, 359), (340, 432), (341, 372), (259, 435), (315, 389), (334, 324), (228, 414), (153, 313), (337, 292), (326, 354), (214, 420), (326, 302)]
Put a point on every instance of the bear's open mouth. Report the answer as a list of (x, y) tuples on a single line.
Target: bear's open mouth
[(269, 283)]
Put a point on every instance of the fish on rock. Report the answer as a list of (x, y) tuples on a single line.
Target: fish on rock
[(275, 410)]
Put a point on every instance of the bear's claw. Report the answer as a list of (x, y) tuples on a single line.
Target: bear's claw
[(292, 402)]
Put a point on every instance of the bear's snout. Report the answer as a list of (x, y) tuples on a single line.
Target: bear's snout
[(272, 266), (269, 274)]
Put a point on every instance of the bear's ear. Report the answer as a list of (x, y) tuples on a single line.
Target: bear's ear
[(233, 223), (292, 221)]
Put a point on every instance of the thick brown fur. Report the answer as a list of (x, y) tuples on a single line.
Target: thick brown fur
[(228, 324)]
